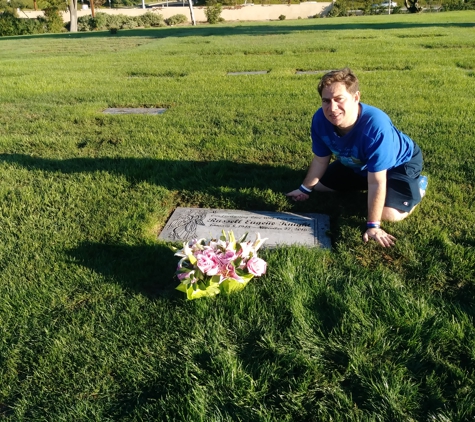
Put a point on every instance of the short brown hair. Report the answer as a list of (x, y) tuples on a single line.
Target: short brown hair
[(345, 76)]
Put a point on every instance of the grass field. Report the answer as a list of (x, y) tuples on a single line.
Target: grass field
[(91, 328)]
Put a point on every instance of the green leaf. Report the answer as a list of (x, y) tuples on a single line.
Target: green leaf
[(244, 274), (189, 292), (247, 277), (182, 288), (183, 270), (230, 285), (193, 292), (215, 279), (192, 259), (242, 238)]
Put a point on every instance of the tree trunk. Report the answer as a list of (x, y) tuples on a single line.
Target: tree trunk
[(93, 11), (35, 5), (192, 14), (73, 14)]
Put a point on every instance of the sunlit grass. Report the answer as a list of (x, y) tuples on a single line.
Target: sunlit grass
[(90, 326)]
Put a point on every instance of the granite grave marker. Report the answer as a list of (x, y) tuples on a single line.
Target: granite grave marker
[(253, 72), (138, 110), (281, 228)]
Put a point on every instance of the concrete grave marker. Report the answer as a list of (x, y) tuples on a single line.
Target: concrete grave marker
[(310, 72), (256, 72), (123, 110), (281, 228)]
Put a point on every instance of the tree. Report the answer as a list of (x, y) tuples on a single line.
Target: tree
[(12, 6), (63, 5), (339, 8), (73, 15), (412, 6), (192, 14), (72, 7)]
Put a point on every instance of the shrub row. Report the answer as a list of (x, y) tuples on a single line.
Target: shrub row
[(104, 21), (11, 25), (52, 22)]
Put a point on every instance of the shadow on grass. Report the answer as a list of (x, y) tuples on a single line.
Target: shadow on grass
[(190, 178), (149, 268), (144, 269), (240, 29), (233, 185)]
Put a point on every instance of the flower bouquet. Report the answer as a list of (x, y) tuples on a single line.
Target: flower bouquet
[(210, 266)]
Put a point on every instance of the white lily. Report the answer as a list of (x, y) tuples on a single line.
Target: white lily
[(258, 242)]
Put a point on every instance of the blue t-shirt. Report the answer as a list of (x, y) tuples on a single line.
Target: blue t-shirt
[(373, 144)]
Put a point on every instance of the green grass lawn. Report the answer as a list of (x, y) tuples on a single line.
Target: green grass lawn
[(91, 328)]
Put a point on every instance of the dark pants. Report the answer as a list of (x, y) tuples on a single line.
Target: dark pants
[(402, 189)]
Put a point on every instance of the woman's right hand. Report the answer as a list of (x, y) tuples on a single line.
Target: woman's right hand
[(297, 195)]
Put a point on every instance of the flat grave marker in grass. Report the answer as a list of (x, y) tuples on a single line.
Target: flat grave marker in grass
[(254, 72), (281, 228), (311, 72), (138, 110)]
